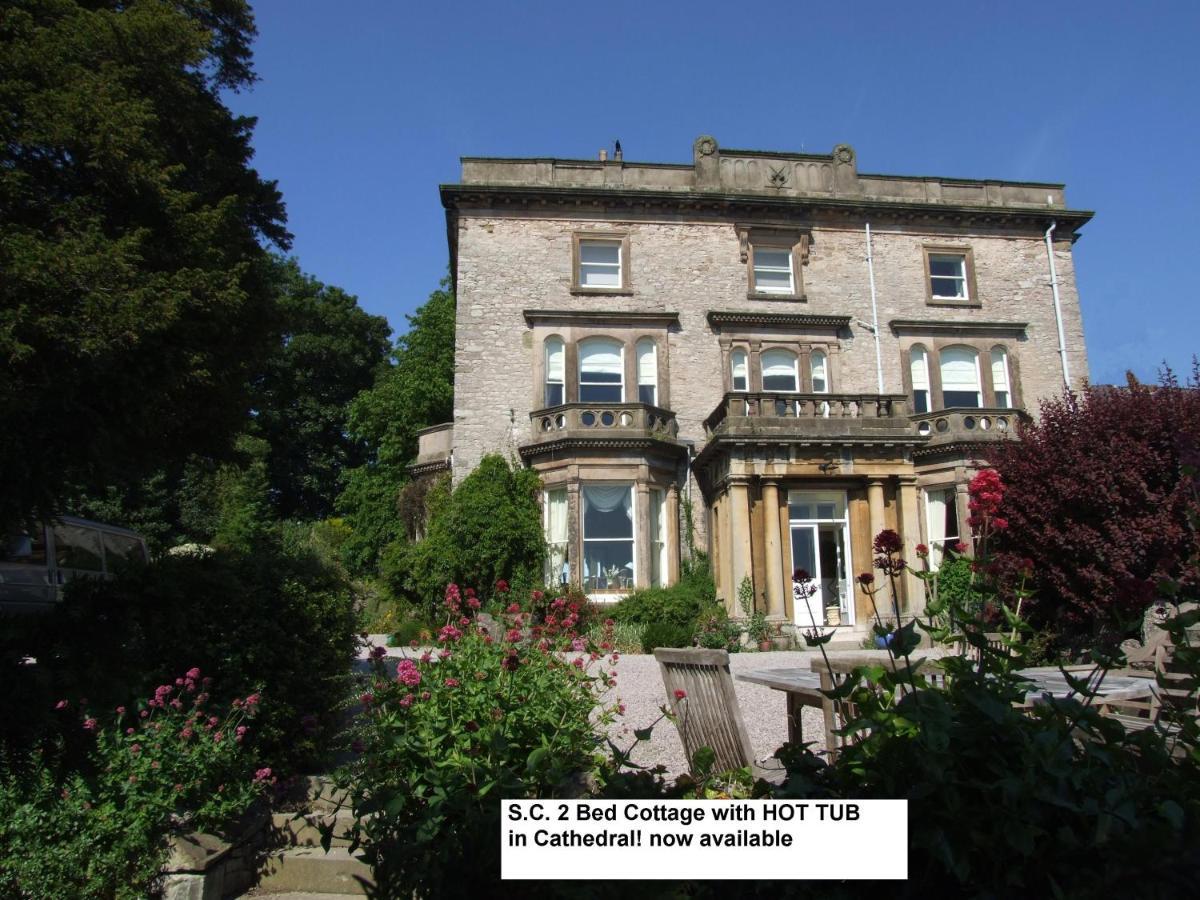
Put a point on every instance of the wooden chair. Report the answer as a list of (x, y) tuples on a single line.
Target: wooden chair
[(708, 714), (1174, 693), (995, 641), (839, 713)]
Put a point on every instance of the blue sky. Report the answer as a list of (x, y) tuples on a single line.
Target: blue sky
[(364, 108)]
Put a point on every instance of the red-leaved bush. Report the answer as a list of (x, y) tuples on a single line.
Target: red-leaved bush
[(1096, 496)]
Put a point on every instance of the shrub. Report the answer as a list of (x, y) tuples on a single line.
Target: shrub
[(666, 634), (277, 623), (682, 604), (719, 632), (173, 764), (447, 737), (1096, 501), (487, 530)]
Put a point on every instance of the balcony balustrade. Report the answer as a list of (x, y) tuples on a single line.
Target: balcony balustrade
[(820, 412), (957, 425), (603, 420)]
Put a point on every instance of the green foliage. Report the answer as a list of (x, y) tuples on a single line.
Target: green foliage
[(328, 351), (99, 830), (489, 528), (278, 622), (719, 632), (666, 634), (136, 299), (445, 741), (682, 604), (624, 637), (414, 392)]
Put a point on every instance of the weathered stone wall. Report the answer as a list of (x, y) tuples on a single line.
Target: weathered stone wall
[(508, 264)]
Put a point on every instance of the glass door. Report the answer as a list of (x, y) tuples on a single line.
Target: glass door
[(820, 530)]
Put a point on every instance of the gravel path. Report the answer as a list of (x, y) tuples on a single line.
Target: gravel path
[(639, 686)]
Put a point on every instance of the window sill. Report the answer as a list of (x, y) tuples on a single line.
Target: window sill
[(601, 292), (794, 298), (959, 304)]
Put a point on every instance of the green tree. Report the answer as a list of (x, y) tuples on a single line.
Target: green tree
[(414, 391), (328, 352), (137, 298), (489, 528)]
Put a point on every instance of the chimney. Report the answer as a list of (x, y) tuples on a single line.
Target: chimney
[(603, 155)]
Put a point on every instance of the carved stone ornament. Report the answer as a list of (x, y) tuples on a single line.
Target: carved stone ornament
[(706, 146), (844, 154), (778, 177)]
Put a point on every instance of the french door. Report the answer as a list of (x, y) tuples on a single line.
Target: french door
[(820, 532)]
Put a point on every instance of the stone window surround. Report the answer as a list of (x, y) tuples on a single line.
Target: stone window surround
[(777, 237), (982, 346), (972, 300), (802, 348), (569, 475), (626, 335), (601, 235)]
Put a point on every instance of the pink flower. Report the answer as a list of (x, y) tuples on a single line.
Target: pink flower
[(218, 736), (537, 596), (193, 673), (473, 602), (512, 635), (90, 724), (144, 713), (407, 673), (240, 733), (451, 682), (61, 704), (961, 547), (252, 700), (406, 701), (425, 695), (501, 586), (136, 748), (179, 788), (120, 710), (186, 734), (262, 774), (449, 633), (680, 693), (129, 732), (367, 698), (513, 608)]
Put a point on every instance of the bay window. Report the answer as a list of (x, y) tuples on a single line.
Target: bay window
[(739, 371), (608, 537), (601, 371), (647, 372), (919, 368), (556, 536), (1000, 384), (960, 378), (555, 371), (779, 371)]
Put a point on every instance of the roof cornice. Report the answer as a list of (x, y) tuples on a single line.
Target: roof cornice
[(599, 316), (956, 326), (791, 321)]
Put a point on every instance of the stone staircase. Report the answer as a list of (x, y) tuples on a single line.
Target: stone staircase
[(300, 869)]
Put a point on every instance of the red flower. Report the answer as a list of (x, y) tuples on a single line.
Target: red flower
[(451, 682), (961, 547), (501, 586), (801, 575), (680, 694), (866, 579), (90, 724), (407, 673), (922, 551), (887, 541)]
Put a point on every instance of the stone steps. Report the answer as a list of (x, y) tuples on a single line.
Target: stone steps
[(311, 870), (303, 829)]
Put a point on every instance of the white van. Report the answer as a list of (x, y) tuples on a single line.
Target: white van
[(36, 563)]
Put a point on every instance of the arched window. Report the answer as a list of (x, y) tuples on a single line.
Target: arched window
[(647, 372), (918, 362), (740, 370), (555, 371), (1000, 382), (820, 372), (960, 377), (779, 371), (601, 371)]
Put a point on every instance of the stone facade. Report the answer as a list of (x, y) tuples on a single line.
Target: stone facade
[(688, 236)]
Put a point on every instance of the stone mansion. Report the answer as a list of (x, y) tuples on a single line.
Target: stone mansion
[(796, 353)]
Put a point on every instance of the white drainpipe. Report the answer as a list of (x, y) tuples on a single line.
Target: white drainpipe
[(875, 310), (1062, 340)]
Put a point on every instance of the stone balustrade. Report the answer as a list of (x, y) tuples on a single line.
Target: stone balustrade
[(950, 426), (816, 408), (603, 420)]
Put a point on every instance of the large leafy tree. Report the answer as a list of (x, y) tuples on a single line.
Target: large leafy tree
[(415, 391), (328, 352), (136, 300), (1097, 494)]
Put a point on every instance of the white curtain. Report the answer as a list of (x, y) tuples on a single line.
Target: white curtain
[(739, 370), (919, 367), (555, 365), (999, 369), (606, 498), (601, 356), (647, 366), (556, 535), (960, 371), (820, 384)]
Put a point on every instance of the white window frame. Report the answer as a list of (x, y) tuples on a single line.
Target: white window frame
[(795, 370), (733, 370), (658, 537), (1006, 377), (760, 267), (920, 385), (978, 375), (936, 545), (582, 348), (841, 517), (554, 578), (960, 278), (812, 370), (608, 596), (549, 343), (597, 267), (652, 380)]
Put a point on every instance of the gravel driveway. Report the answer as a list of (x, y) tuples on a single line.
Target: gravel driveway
[(639, 686)]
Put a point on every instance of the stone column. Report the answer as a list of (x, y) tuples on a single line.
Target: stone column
[(641, 536), (962, 500), (875, 502), (575, 534), (774, 552), (910, 533), (673, 535), (740, 564)]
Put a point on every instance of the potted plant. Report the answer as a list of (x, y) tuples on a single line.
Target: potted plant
[(759, 630)]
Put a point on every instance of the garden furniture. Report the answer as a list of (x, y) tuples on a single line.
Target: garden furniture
[(701, 695)]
